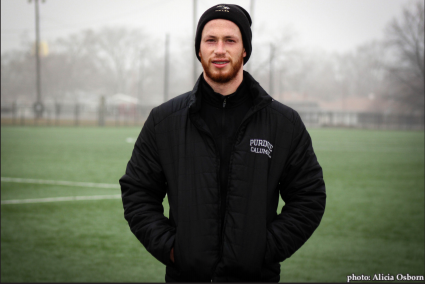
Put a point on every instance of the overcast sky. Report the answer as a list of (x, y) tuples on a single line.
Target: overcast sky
[(333, 25)]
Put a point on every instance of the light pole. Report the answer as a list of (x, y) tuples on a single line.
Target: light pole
[(251, 12), (272, 53), (38, 105), (166, 67)]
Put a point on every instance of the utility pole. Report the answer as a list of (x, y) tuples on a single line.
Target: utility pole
[(139, 83), (139, 88), (38, 105), (251, 12), (195, 71), (166, 63), (271, 69), (281, 90)]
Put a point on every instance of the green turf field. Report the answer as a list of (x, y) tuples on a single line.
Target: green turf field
[(374, 220)]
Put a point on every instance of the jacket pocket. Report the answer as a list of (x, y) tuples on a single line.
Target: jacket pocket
[(270, 248)]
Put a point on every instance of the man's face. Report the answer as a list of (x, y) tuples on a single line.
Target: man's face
[(221, 50)]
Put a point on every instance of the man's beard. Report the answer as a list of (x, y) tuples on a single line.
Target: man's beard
[(221, 76)]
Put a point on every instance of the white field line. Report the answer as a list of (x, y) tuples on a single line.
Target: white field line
[(56, 199), (60, 182)]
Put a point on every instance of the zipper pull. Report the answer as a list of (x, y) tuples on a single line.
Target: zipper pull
[(224, 103)]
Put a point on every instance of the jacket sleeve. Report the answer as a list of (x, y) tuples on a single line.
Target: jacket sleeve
[(143, 189), (303, 190)]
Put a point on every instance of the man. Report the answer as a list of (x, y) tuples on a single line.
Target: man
[(223, 153)]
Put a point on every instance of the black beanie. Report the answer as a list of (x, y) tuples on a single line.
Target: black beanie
[(231, 12)]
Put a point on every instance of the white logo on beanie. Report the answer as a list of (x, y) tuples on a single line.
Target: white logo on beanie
[(222, 8)]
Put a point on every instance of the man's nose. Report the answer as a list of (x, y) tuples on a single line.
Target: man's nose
[(220, 48)]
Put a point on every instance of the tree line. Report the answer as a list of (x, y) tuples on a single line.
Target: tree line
[(123, 60)]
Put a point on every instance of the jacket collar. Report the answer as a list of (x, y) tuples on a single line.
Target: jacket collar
[(259, 95), (217, 100)]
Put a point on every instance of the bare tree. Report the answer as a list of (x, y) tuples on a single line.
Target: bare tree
[(17, 76), (273, 58), (363, 69), (405, 39), (103, 61), (120, 49), (82, 69)]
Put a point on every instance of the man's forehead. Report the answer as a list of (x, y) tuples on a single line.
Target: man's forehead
[(219, 26)]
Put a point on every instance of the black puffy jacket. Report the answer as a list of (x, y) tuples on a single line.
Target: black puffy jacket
[(175, 155)]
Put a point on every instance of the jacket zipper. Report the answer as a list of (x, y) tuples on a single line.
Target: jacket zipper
[(221, 227), (219, 188), (245, 120), (223, 121), (223, 141)]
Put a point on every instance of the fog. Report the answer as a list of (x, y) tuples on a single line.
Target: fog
[(345, 63)]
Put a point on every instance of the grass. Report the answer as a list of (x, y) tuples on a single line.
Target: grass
[(374, 219)]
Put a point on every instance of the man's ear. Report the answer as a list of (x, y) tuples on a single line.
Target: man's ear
[(244, 53)]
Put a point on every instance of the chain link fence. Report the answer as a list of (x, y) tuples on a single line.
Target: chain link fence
[(79, 114), (368, 120), (74, 114)]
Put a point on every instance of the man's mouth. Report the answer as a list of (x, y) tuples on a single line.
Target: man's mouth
[(220, 63)]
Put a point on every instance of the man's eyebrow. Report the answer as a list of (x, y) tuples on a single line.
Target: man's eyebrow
[(226, 37)]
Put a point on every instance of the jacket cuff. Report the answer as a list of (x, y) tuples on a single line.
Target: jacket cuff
[(167, 249)]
